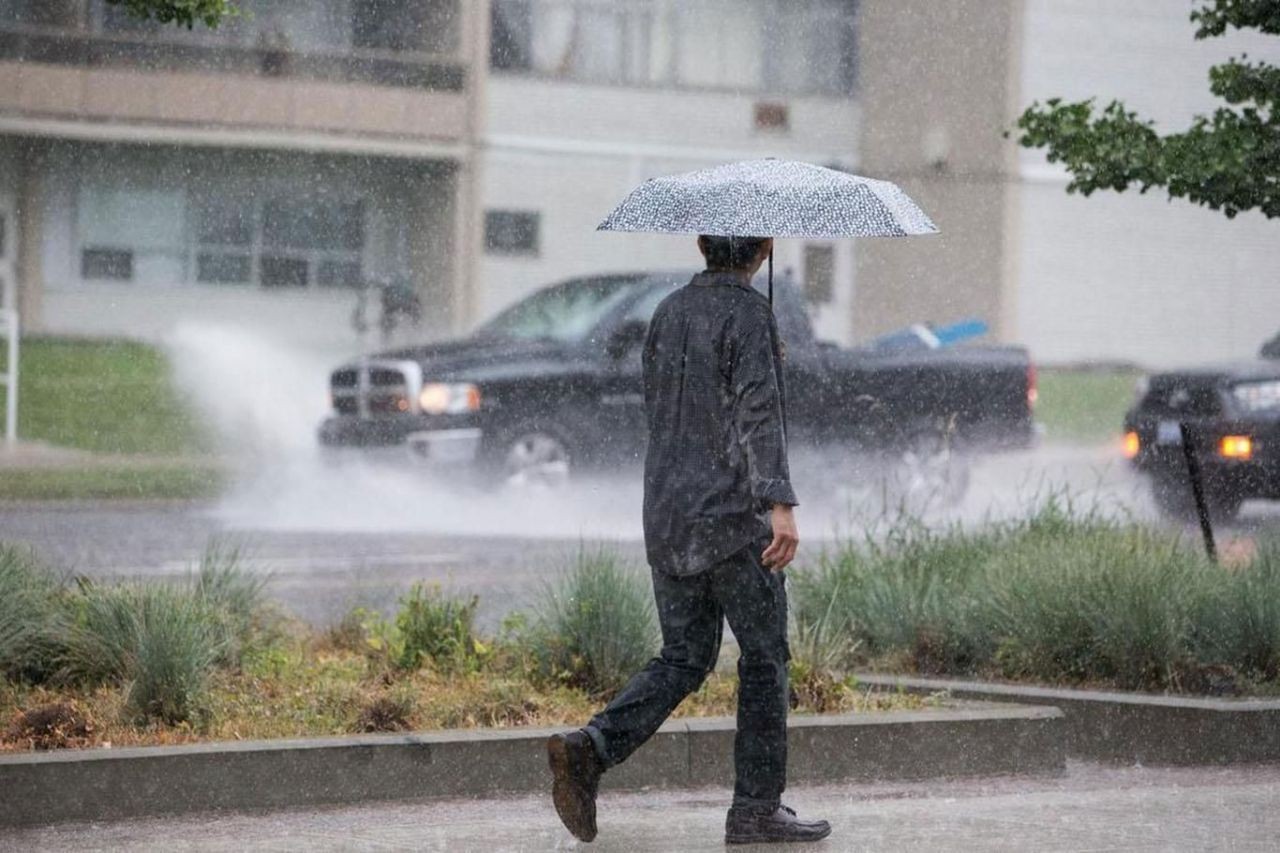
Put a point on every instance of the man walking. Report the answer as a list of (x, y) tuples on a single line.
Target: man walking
[(719, 531)]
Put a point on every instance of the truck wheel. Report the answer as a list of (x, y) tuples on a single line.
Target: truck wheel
[(532, 457), (929, 472)]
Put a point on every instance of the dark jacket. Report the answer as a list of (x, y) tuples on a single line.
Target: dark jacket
[(716, 406)]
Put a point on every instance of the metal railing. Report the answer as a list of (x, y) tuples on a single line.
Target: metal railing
[(9, 380)]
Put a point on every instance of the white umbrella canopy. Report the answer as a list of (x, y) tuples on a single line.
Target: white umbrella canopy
[(770, 198)]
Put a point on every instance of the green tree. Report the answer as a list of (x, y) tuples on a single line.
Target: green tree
[(185, 13), (1228, 161)]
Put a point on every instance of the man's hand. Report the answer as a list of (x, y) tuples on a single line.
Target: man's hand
[(782, 550)]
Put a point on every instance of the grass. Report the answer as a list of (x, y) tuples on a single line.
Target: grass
[(27, 613), (1059, 597), (150, 480), (597, 626), (106, 396), (1084, 406)]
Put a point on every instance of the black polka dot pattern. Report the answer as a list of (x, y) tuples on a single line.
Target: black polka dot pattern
[(770, 198)]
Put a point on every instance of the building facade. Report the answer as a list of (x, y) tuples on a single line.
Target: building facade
[(273, 171), (1115, 277), (588, 98), (264, 173)]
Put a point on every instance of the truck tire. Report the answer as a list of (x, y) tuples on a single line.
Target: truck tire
[(529, 456), (928, 471)]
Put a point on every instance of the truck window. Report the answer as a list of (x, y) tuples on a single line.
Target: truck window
[(567, 313)]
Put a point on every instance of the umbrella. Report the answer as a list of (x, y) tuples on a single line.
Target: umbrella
[(769, 198)]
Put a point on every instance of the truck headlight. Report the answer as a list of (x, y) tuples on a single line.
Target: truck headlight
[(445, 398), (1257, 396)]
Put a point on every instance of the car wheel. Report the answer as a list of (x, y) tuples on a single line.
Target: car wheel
[(535, 459), (930, 472)]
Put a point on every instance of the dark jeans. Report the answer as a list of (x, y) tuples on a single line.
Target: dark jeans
[(691, 611)]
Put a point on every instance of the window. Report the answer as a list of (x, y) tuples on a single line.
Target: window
[(106, 264), (819, 273), (511, 42), (511, 232), (309, 241), (132, 232), (45, 13), (567, 313), (745, 45), (405, 25), (224, 241)]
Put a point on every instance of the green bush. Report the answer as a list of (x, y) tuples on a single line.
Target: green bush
[(428, 627), (596, 627), (234, 597), (436, 628), (1248, 617), (1057, 596), (28, 615), (159, 639), (163, 639)]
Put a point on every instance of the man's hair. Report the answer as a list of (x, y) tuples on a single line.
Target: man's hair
[(731, 253)]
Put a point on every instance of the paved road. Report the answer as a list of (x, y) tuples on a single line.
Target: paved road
[(334, 539), (1088, 809)]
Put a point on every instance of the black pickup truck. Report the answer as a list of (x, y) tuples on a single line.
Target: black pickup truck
[(552, 385), (1232, 412)]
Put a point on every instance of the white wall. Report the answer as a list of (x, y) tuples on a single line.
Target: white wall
[(572, 151), (1127, 276)]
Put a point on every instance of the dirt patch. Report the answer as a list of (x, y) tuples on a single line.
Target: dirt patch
[(58, 725)]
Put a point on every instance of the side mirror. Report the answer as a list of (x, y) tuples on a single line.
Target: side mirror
[(626, 338)]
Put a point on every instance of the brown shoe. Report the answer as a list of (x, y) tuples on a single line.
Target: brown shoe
[(575, 771), (766, 826)]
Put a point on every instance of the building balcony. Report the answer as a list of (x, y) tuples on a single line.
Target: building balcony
[(288, 65)]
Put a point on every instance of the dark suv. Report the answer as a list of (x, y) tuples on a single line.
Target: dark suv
[(1232, 412)]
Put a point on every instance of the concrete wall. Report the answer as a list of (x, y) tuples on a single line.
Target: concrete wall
[(33, 90), (936, 95), (1129, 276), (571, 152)]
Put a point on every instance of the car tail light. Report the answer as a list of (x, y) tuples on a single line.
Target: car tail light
[(1236, 447), (1033, 386), (1132, 444)]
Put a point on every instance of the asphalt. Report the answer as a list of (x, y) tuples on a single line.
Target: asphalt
[(1089, 808)]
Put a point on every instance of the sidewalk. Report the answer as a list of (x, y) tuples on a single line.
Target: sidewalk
[(1089, 808)]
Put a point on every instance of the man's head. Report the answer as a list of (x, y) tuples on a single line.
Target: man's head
[(735, 254)]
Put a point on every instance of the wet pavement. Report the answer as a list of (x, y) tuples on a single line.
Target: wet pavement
[(1090, 808)]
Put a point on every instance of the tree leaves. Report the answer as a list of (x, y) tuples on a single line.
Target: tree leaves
[(185, 13), (1229, 161)]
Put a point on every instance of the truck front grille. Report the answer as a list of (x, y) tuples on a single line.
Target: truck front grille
[(376, 389)]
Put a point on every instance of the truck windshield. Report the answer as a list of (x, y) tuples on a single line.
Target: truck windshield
[(567, 313)]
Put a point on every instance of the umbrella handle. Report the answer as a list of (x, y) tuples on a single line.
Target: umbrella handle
[(771, 277)]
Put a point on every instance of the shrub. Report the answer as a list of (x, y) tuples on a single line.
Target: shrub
[(437, 628), (428, 627), (1058, 595), (1247, 617), (28, 615), (158, 639), (234, 597), (822, 648), (597, 626)]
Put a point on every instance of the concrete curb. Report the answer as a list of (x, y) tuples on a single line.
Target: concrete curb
[(41, 788), (1129, 728)]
